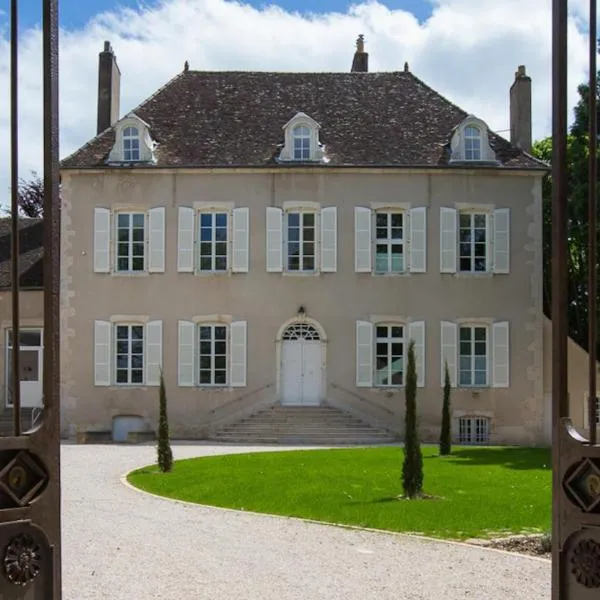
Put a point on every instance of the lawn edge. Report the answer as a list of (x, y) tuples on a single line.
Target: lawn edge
[(426, 538)]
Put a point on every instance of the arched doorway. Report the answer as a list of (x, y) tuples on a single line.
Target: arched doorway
[(302, 365)]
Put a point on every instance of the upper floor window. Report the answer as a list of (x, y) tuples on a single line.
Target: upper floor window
[(301, 245), (131, 241), (389, 355), (472, 143), (301, 137), (389, 242), (473, 242), (473, 356), (131, 144), (214, 235)]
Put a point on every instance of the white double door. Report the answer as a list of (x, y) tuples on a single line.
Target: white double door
[(301, 372)]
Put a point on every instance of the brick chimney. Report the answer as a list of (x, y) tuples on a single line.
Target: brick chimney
[(360, 64), (520, 110), (109, 84)]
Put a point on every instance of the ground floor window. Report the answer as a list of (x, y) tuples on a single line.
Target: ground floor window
[(130, 353), (213, 354), (473, 430), (473, 356), (389, 355)]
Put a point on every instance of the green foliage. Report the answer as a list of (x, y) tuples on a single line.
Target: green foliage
[(165, 455), (412, 467), (446, 432)]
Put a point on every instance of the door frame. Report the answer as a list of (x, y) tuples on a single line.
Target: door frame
[(40, 350), (278, 353)]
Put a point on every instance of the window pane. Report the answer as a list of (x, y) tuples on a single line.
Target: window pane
[(205, 377), (382, 331), (480, 250), (138, 220), (122, 332), (396, 219), (397, 332), (465, 334), (465, 363), (480, 378), (309, 219), (220, 362), (205, 362), (465, 220), (221, 249), (121, 376), (137, 332), (308, 248), (220, 377), (381, 260), (381, 377), (138, 249), (123, 220), (293, 234), (381, 220), (382, 233), (221, 219), (220, 333), (221, 263), (205, 348), (309, 263), (221, 234), (381, 348), (205, 234), (397, 349), (293, 263), (397, 378), (480, 334), (138, 235), (309, 234), (220, 348), (396, 233), (294, 219), (464, 378), (205, 333), (481, 363), (122, 361), (205, 264), (205, 249), (137, 361), (397, 262), (479, 221), (206, 220), (137, 346), (137, 376), (293, 249), (480, 264)]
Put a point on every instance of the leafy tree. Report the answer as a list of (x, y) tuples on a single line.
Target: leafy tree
[(30, 196), (165, 454), (412, 467), (446, 433)]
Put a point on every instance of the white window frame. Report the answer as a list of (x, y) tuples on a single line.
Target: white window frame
[(458, 146), (130, 228), (472, 214), (131, 138), (8, 361), (316, 240), (472, 355), (389, 340), (478, 433), (213, 341), (302, 133), (213, 256), (129, 354), (389, 241), (316, 149), (472, 149)]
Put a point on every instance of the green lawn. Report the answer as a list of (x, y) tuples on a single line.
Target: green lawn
[(481, 491)]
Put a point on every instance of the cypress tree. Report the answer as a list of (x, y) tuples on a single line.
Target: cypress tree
[(446, 432), (165, 455)]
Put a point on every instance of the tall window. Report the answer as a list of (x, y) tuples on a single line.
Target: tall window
[(301, 241), (389, 251), (389, 355), (473, 242), (473, 430), (130, 241), (473, 356), (301, 137), (213, 241), (131, 144), (130, 353), (213, 354), (472, 143)]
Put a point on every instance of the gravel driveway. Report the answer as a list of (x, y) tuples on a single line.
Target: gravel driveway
[(119, 544)]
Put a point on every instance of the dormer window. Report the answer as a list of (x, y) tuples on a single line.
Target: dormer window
[(472, 143), (301, 136), (131, 144)]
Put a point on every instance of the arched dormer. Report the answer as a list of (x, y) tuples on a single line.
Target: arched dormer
[(470, 143), (133, 142), (301, 140)]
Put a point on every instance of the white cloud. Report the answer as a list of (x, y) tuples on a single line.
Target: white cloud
[(468, 50)]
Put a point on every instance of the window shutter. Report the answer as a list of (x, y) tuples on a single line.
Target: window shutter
[(237, 354), (186, 359), (448, 236), (449, 351), (153, 358), (416, 331), (329, 239), (502, 240), (240, 242), (274, 239), (500, 354), (102, 353), (364, 354), (185, 240), (362, 239), (101, 240), (156, 240), (418, 240)]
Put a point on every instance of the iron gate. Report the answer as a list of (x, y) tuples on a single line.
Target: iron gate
[(30, 461), (576, 460)]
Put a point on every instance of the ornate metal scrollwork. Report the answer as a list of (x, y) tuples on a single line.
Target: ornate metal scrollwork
[(22, 559), (22, 479), (582, 485), (585, 563)]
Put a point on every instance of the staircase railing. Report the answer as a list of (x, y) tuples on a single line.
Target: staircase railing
[(231, 414)]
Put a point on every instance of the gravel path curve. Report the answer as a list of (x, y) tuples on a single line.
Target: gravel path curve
[(119, 544)]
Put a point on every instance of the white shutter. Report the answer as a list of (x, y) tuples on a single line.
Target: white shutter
[(102, 353), (237, 354), (448, 236), (416, 331), (364, 354), (153, 358), (274, 239), (502, 240), (186, 359), (418, 240), (362, 239), (329, 239), (449, 351), (156, 240), (500, 354), (101, 240), (240, 242), (185, 240)]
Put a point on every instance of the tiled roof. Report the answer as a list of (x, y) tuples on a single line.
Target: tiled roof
[(233, 118), (31, 253)]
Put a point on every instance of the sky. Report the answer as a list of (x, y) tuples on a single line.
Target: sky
[(468, 50)]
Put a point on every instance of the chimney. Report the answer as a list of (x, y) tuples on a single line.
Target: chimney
[(360, 64), (520, 110), (109, 84)]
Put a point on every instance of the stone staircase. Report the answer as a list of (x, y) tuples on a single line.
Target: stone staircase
[(318, 425)]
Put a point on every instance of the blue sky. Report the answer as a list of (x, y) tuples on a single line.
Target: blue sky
[(75, 14)]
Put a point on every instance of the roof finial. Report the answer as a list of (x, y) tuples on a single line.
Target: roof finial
[(186, 66), (360, 43), (406, 69)]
